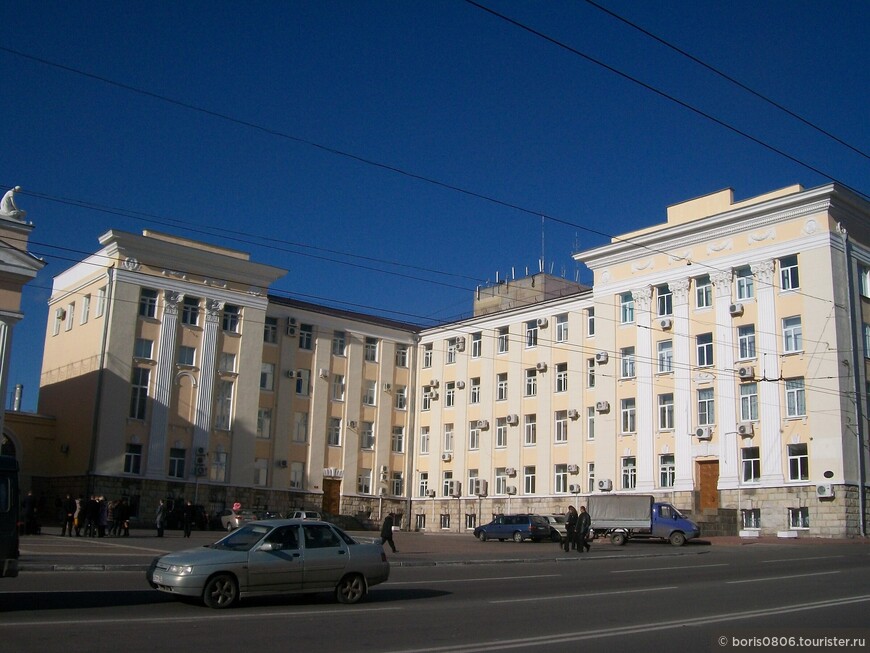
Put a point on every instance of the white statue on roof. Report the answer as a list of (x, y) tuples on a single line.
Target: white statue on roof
[(8, 208)]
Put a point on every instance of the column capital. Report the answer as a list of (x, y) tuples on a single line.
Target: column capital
[(680, 290), (763, 271), (722, 282), (642, 297)]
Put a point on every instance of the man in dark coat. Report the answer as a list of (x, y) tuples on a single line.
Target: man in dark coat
[(69, 511), (387, 531), (570, 528), (584, 522)]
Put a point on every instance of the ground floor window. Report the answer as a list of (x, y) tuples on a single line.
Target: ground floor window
[(471, 521), (445, 521), (751, 518), (799, 517), (420, 522)]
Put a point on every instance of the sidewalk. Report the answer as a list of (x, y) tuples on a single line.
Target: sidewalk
[(51, 552)]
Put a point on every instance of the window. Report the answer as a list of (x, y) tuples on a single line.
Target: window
[(664, 301), (59, 314), (303, 382), (297, 476), (444, 520), (705, 349), (261, 472), (186, 356), (665, 350), (628, 414), (450, 394), (267, 376), (424, 439), (70, 315), (562, 328), (751, 464), (333, 434), (795, 398), (626, 308), (561, 426), (561, 377), (446, 484), (133, 459), (397, 441), (223, 405), (423, 485), (101, 302), (476, 344), (306, 337), (590, 373), (590, 423), (703, 292), (231, 318), (530, 429), (864, 280), (427, 355), (448, 437), (474, 394), (746, 341), (529, 479), (666, 412), (532, 333), (473, 435), (143, 348), (745, 283), (590, 477), (501, 430), (300, 427), (176, 462), (626, 357), (369, 393), (401, 355), (473, 475), (706, 413), (338, 387), (426, 402), (397, 484), (751, 517), (364, 481), (370, 350), (451, 351), (798, 462), (86, 308), (590, 322), (629, 473), (218, 469), (667, 470), (501, 387), (748, 402), (270, 331), (788, 273), (561, 479), (139, 394), (799, 517), (501, 480), (190, 311), (147, 302), (503, 340), (792, 335), (264, 423), (227, 362), (866, 329), (339, 343), (401, 397), (531, 388), (367, 435)]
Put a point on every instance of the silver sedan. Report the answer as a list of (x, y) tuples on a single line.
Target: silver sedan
[(276, 556)]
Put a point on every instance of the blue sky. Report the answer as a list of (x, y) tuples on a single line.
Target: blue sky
[(250, 112)]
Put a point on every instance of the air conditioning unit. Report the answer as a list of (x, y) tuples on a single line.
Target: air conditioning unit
[(460, 344), (541, 367), (745, 429), (481, 487), (483, 424), (282, 464), (324, 373), (513, 420), (745, 372), (573, 469), (291, 326), (735, 309), (602, 406), (382, 491), (352, 424), (446, 457), (433, 383), (200, 451), (511, 489), (200, 470), (573, 413), (541, 322), (430, 494), (666, 323), (460, 385), (605, 485), (825, 491), (291, 374), (432, 394), (384, 469), (574, 489), (704, 433), (510, 471), (387, 387), (601, 357), (455, 489)]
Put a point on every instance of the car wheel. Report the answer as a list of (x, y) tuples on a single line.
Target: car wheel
[(221, 591), (350, 589), (483, 537), (677, 539), (229, 528), (618, 539), (518, 537), (555, 536)]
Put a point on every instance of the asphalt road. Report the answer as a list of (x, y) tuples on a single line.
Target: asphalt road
[(494, 596)]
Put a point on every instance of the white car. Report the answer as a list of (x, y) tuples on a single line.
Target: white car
[(558, 527), (304, 514)]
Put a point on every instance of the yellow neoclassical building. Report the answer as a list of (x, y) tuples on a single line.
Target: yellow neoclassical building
[(718, 360)]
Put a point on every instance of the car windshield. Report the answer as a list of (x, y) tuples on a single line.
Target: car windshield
[(540, 521), (243, 539), (559, 519)]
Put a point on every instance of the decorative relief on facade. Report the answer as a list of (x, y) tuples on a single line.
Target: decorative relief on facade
[(216, 283), (131, 264), (704, 378), (176, 274), (605, 276), (758, 237), (763, 271), (333, 472), (213, 310), (685, 257), (256, 292), (811, 226), (680, 290), (171, 300), (640, 266), (714, 248), (642, 297), (722, 282)]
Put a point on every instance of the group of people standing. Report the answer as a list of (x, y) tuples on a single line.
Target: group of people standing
[(97, 516), (577, 527)]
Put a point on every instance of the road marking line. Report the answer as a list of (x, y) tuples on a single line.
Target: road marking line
[(631, 571), (572, 596), (470, 580), (798, 559), (761, 580)]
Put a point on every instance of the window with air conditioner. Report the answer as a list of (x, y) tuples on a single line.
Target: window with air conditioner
[(749, 402)]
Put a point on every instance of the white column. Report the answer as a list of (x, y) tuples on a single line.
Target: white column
[(769, 397), (644, 409), (726, 400), (683, 401), (6, 324), (207, 370), (156, 465)]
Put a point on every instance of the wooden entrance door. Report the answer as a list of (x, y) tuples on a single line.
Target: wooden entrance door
[(331, 496), (708, 479)]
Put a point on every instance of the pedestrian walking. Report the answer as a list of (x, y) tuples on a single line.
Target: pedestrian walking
[(78, 517), (187, 518), (69, 512), (160, 518), (570, 528), (387, 531), (584, 523)]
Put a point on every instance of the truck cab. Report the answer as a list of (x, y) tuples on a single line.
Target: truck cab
[(668, 523)]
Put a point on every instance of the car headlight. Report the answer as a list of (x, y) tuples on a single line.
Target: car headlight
[(180, 570)]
